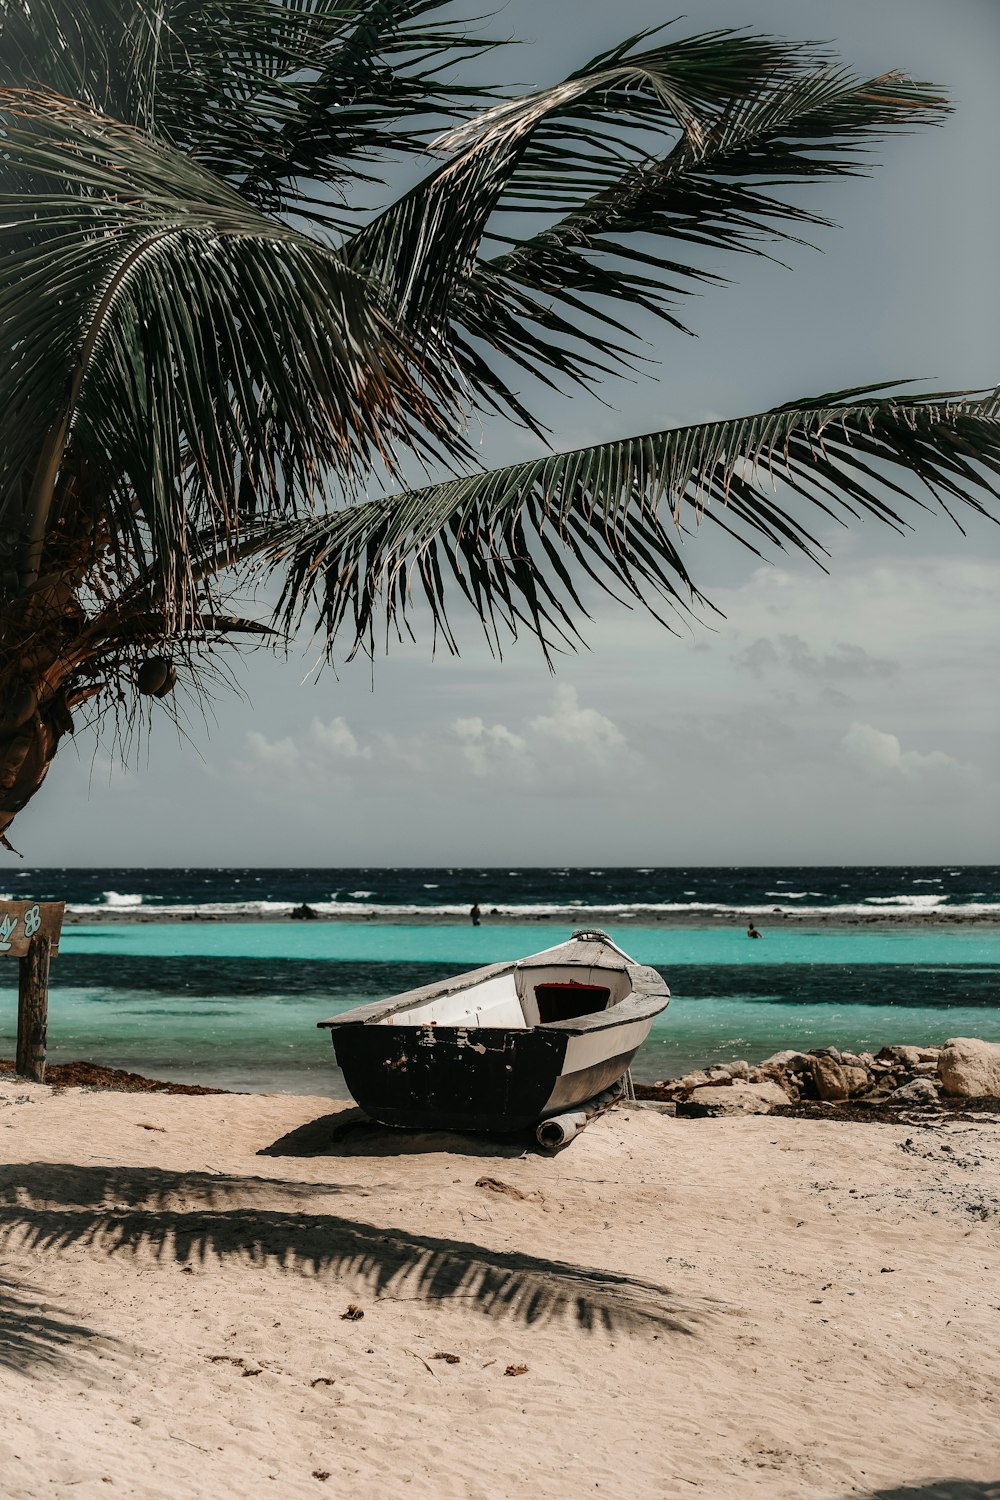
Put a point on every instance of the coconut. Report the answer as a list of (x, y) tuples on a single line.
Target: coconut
[(156, 676)]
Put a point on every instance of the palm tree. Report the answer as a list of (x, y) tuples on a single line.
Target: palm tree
[(224, 354)]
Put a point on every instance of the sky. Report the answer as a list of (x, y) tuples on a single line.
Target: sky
[(840, 718)]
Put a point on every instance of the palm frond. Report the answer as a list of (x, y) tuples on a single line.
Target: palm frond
[(265, 94), (351, 83), (102, 52), (796, 104), (724, 194), (517, 541), (745, 119), (220, 365), (425, 243), (729, 193)]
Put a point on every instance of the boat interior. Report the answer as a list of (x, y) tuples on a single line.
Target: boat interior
[(527, 994)]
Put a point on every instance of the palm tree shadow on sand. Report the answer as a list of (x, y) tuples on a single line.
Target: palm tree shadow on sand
[(34, 1333), (197, 1217)]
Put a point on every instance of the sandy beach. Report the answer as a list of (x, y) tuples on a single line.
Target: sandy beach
[(742, 1307)]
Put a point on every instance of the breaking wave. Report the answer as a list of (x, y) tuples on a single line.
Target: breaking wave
[(577, 912), (920, 903)]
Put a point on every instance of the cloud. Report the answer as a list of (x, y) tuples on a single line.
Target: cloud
[(569, 747), (488, 748), (337, 740), (585, 729), (790, 652), (319, 756), (907, 606), (884, 752), (272, 755)]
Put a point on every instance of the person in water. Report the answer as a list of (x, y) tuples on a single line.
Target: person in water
[(752, 931), (476, 915)]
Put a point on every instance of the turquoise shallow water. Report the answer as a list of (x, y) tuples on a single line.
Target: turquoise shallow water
[(469, 946), (236, 1005)]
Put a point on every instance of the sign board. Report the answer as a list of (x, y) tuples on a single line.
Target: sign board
[(20, 921)]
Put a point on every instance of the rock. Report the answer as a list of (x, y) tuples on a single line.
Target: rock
[(926, 1069), (908, 1056), (859, 1080), (781, 1059), (920, 1091), (929, 1054), (718, 1071), (829, 1079), (825, 1052), (735, 1099), (883, 1087), (693, 1080), (852, 1060), (970, 1068), (784, 1068)]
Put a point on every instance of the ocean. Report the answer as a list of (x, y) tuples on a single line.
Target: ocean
[(235, 1004), (970, 890)]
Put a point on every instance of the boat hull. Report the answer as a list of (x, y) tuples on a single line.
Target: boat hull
[(488, 1079)]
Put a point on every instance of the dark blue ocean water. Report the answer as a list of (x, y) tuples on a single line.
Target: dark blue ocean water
[(520, 891), (235, 1004)]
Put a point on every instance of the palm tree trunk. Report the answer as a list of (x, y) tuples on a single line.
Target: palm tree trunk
[(26, 752), (38, 656)]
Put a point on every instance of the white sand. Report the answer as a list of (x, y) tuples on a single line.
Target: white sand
[(724, 1308)]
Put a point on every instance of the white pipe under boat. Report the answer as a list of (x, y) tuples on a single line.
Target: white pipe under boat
[(559, 1130)]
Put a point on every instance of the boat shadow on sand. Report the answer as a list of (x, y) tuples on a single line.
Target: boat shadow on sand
[(937, 1489), (351, 1132), (197, 1218)]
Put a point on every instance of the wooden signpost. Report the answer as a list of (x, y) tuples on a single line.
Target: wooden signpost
[(29, 932)]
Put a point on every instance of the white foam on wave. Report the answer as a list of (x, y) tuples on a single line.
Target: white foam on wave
[(788, 895), (576, 912), (119, 899), (201, 909), (920, 902)]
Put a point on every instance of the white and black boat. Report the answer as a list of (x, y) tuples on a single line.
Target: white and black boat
[(503, 1047)]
